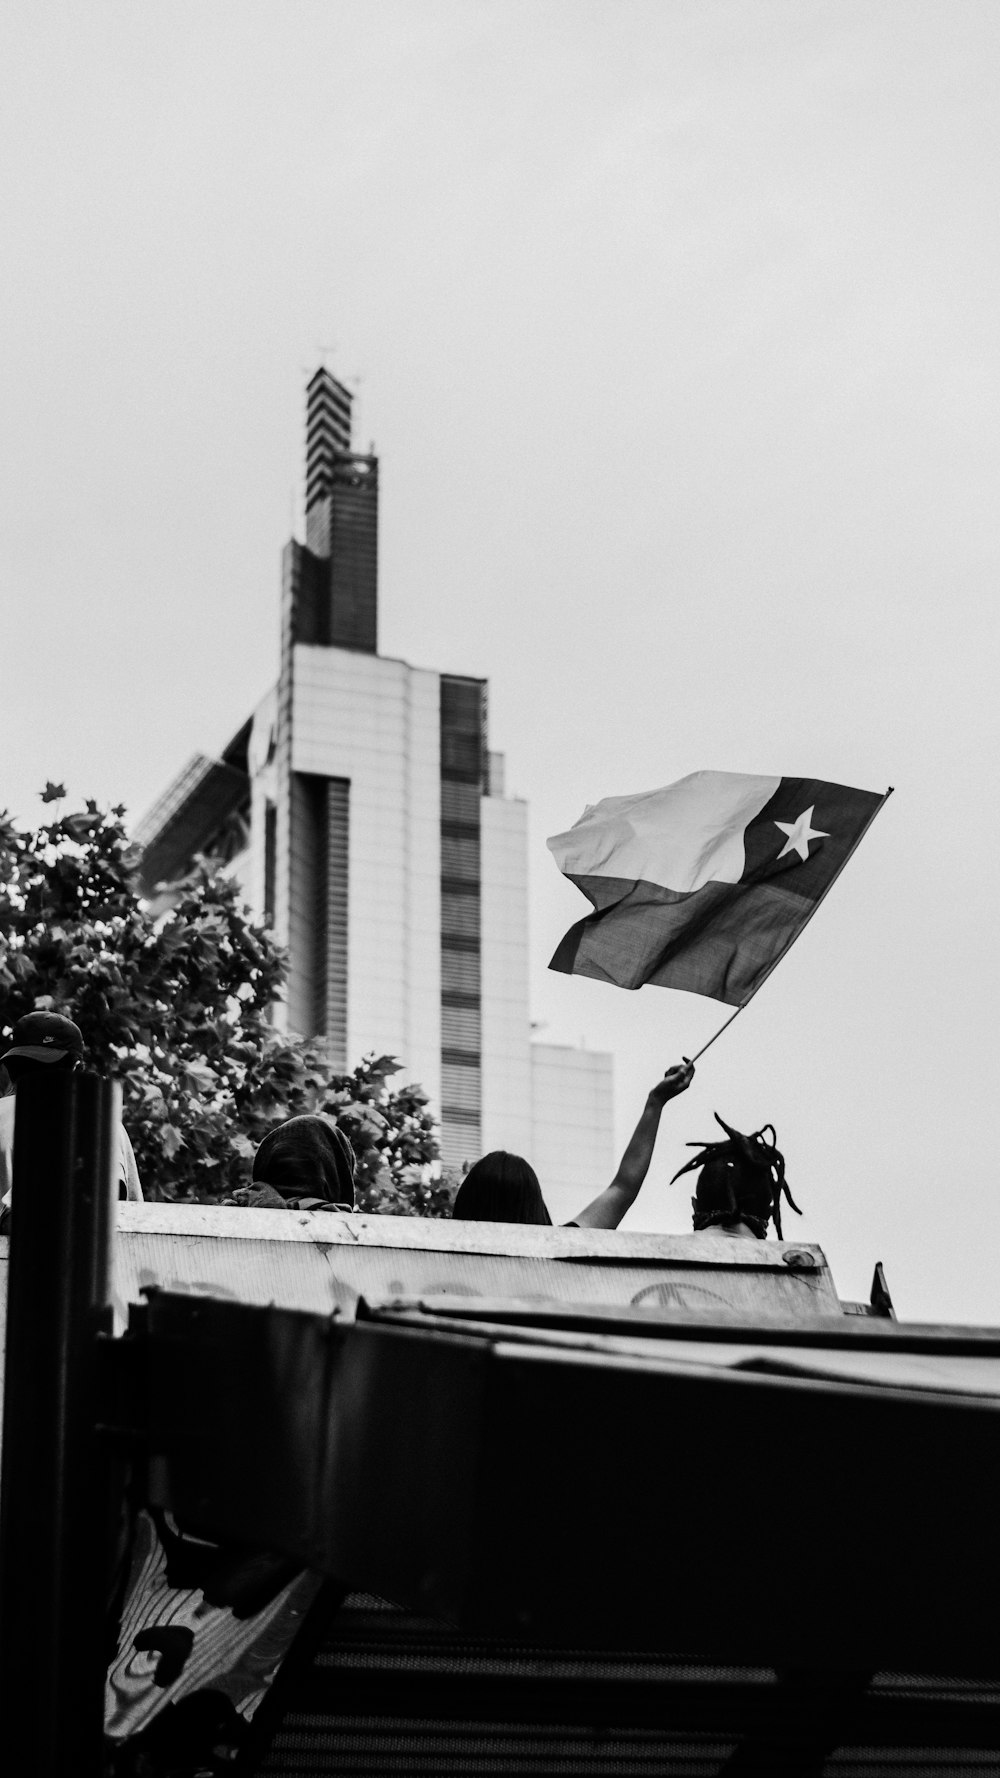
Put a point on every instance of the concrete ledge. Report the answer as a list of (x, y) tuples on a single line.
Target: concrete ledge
[(515, 1240)]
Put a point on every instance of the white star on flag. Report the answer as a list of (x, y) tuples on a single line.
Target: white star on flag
[(799, 833)]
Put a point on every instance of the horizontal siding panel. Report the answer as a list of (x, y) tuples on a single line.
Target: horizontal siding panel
[(337, 855), (462, 1058), (460, 1028), (456, 942), (461, 1086), (459, 971), (452, 998), (459, 915), (459, 1143), (460, 857), (462, 702), (457, 1114), (460, 802), (462, 758), (368, 1747)]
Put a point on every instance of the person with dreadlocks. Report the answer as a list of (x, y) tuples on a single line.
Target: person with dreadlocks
[(741, 1182)]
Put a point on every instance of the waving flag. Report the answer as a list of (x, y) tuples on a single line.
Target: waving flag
[(704, 884)]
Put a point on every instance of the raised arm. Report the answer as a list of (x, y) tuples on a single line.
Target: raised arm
[(607, 1210)]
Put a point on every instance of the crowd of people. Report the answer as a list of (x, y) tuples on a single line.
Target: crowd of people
[(307, 1162)]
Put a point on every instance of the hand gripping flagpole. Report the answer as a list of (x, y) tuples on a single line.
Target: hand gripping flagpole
[(879, 806)]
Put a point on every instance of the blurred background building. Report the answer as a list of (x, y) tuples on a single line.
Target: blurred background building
[(365, 816)]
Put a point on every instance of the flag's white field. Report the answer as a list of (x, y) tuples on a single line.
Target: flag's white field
[(681, 836)]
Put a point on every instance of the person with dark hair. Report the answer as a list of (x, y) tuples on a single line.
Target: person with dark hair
[(306, 1163), (504, 1187), (50, 1040), (501, 1187), (741, 1182)]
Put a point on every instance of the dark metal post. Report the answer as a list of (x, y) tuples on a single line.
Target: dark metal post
[(53, 1506)]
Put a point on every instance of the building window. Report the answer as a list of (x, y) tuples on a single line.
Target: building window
[(318, 911)]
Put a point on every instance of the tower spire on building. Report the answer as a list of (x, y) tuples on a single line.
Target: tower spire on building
[(328, 431), (337, 603)]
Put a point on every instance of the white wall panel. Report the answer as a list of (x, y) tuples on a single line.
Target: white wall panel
[(573, 1125), (506, 1059), (375, 721)]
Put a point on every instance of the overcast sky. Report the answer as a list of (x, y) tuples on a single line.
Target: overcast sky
[(676, 325)]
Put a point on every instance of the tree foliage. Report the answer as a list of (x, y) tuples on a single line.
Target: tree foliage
[(179, 1007)]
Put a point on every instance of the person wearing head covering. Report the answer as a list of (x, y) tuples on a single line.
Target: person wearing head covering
[(50, 1040), (504, 1187), (306, 1163), (741, 1182)]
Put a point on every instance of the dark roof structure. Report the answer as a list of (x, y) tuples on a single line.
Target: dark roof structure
[(183, 823), (616, 1541)]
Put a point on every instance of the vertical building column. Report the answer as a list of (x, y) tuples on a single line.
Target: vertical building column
[(463, 764), (319, 862), (307, 813), (270, 862), (304, 601)]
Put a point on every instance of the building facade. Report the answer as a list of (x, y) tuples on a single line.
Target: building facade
[(365, 816)]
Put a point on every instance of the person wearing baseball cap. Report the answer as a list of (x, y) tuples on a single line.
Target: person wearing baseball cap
[(49, 1040)]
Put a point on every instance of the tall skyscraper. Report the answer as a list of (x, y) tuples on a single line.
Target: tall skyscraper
[(366, 818)]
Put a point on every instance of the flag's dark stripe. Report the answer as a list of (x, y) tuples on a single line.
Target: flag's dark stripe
[(718, 941), (567, 948), (838, 811), (607, 892)]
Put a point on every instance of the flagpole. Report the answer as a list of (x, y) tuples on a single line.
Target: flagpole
[(879, 806), (707, 1046)]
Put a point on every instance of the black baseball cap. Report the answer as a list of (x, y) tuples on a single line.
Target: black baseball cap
[(45, 1037)]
